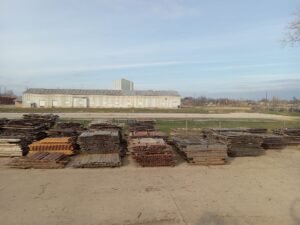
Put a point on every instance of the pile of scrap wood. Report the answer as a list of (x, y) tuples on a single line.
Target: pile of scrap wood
[(141, 125), (66, 129), (40, 160), (272, 141), (101, 142), (64, 145), (200, 151), (148, 134), (97, 160), (150, 152), (11, 147), (48, 120), (291, 135)]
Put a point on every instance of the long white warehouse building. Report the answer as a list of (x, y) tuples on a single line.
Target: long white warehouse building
[(78, 98)]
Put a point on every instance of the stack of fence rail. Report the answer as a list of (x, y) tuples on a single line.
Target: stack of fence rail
[(48, 120), (141, 125), (239, 143), (11, 147), (151, 152), (64, 145), (103, 146), (291, 135), (199, 151), (66, 129), (40, 160)]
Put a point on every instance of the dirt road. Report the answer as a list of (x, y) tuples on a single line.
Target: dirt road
[(260, 191), (160, 116)]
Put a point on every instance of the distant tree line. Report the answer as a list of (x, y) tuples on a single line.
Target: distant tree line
[(273, 104)]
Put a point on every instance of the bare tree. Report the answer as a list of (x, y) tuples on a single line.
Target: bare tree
[(293, 35)]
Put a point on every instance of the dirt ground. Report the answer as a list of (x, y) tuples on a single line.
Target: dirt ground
[(260, 191), (159, 116)]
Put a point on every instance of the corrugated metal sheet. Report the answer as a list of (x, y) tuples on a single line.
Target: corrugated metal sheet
[(43, 91)]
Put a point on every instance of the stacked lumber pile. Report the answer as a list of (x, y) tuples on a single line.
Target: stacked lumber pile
[(97, 160), (199, 151), (291, 135), (25, 131), (70, 125), (48, 120), (99, 148), (66, 129), (64, 145), (101, 142), (11, 147), (148, 134), (141, 125), (272, 141), (150, 152), (31, 130), (40, 160), (241, 144), (3, 121), (104, 126)]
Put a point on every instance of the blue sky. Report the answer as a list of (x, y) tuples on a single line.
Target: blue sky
[(214, 48)]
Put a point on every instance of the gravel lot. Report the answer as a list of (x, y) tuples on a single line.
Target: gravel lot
[(262, 190)]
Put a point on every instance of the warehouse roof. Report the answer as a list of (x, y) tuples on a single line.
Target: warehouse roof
[(43, 91)]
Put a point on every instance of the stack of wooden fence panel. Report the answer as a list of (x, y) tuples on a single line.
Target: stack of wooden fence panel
[(151, 152), (241, 144), (272, 141), (67, 129), (103, 146), (40, 160), (48, 120), (11, 147), (141, 125), (200, 151), (64, 145), (291, 135)]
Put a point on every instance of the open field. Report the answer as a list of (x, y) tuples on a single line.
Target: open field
[(193, 110), (160, 116), (260, 190), (167, 125)]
